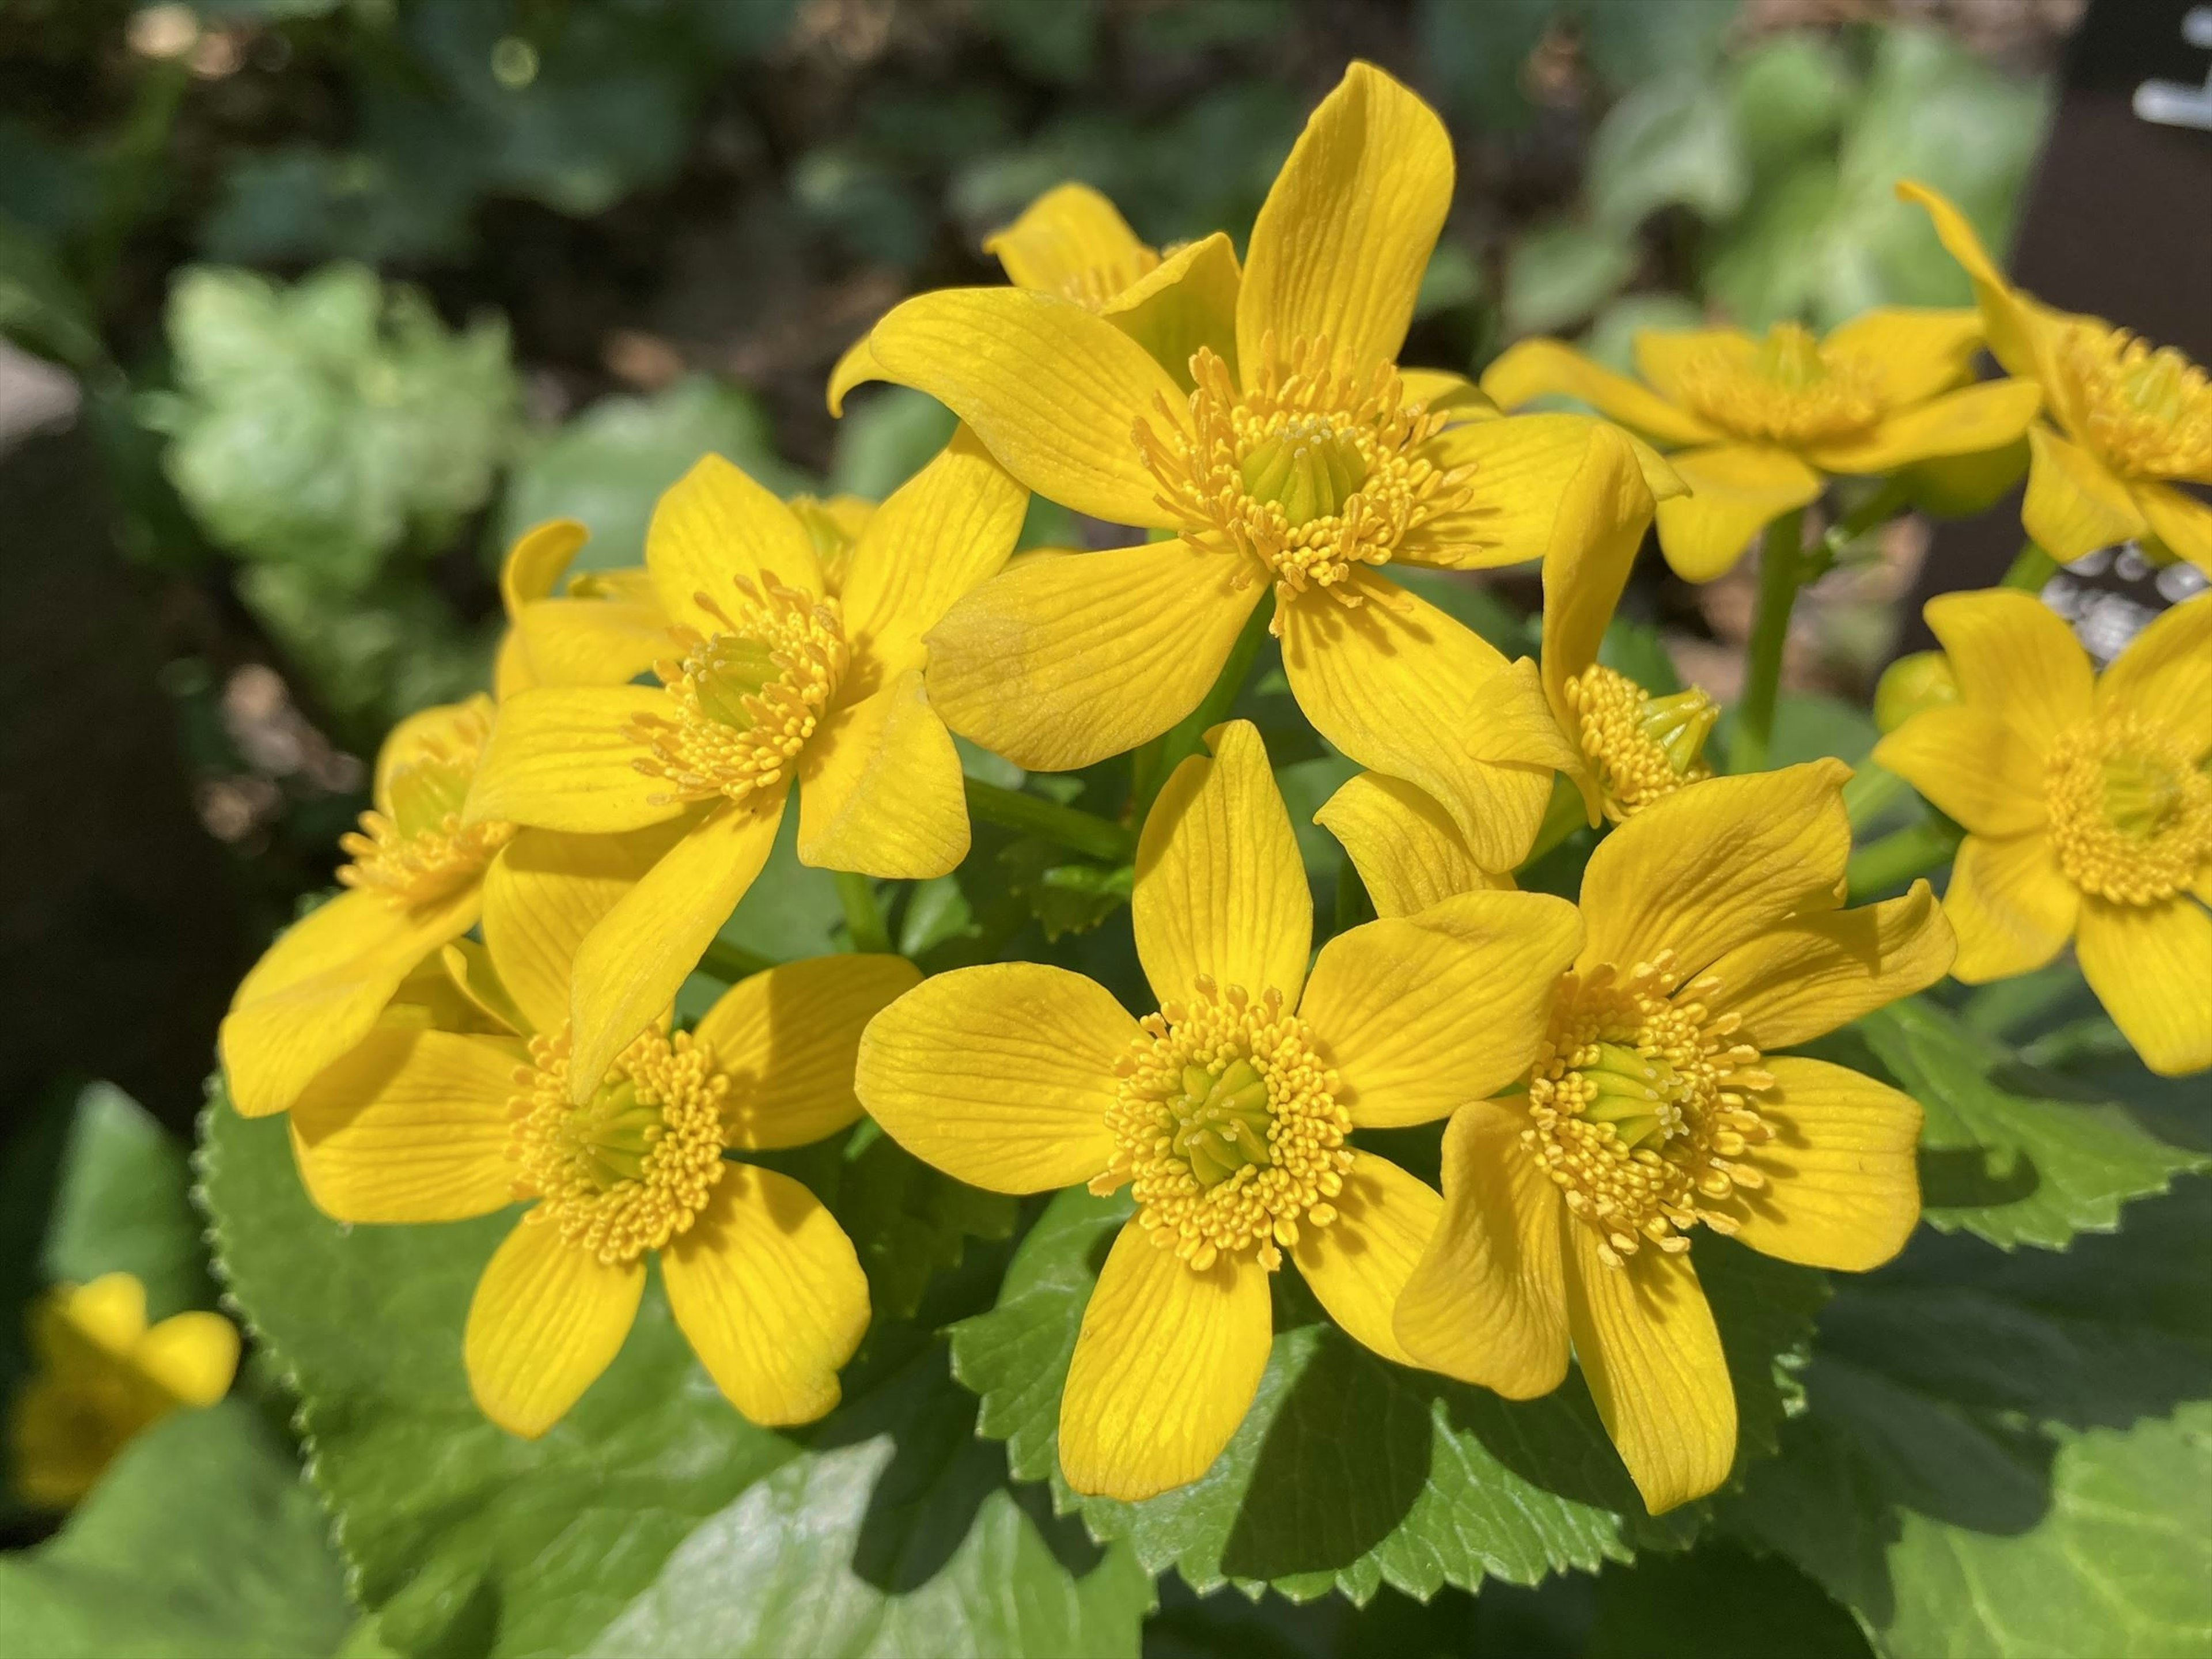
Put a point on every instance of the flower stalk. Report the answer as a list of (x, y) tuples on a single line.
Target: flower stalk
[(1780, 567), (1032, 815)]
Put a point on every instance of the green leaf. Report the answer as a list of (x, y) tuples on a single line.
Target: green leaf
[(372, 654), (887, 435), (1629, 45), (1350, 1472), (1670, 141), (200, 1539), (41, 308), (124, 1206), (1786, 94), (1559, 272), (1066, 895), (1718, 1602)]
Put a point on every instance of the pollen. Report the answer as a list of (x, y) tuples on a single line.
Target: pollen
[(1639, 746), (632, 1167), (420, 851), (2146, 411), (1789, 391), (1641, 1106), (2130, 818), (1308, 472), (742, 701), (1227, 1127)]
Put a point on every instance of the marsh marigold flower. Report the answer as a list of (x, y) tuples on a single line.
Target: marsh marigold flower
[(2087, 806), (1655, 1104), (420, 1123), (1228, 1113), (603, 627), (768, 680)]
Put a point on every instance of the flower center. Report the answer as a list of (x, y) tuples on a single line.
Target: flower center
[(2148, 412), (742, 701), (1227, 1126), (632, 1167), (421, 852), (1641, 747), (1309, 470), (2130, 816), (1790, 391), (1639, 1106)]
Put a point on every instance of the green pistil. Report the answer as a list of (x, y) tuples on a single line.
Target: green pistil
[(1679, 725), (1627, 1090), (2141, 796), (615, 1131), (1307, 471), (1221, 1121), (1790, 357), (735, 669), (425, 794)]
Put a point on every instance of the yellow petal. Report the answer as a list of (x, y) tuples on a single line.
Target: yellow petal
[(2016, 658), (536, 561), (1736, 491), (1919, 352), (1441, 390), (1973, 766), (790, 1037), (1408, 852), (546, 1319), (714, 528), (1060, 662), (1071, 242), (2164, 675), (2074, 504), (880, 791), (1053, 390), (1539, 368), (1421, 1014), (2182, 522), (1357, 1265), (1651, 1355), (593, 641), (2013, 322), (1523, 466), (1221, 889), (1843, 1186), (2149, 965), (1968, 422), (510, 667), (433, 734), (110, 1312), (1705, 869), (1488, 1302), (317, 990), (1815, 972), (766, 1288), (1001, 1076), (410, 1126), (629, 967), (1602, 515), (2010, 905), (545, 892), (1669, 358), (192, 1356), (856, 367), (1165, 1366), (562, 757), (1341, 243), (1189, 302)]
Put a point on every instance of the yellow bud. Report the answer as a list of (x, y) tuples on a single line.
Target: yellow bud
[(1921, 681)]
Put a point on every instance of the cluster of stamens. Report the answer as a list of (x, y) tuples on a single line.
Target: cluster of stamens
[(632, 1167), (1789, 391), (1641, 747), (1309, 470), (742, 701), (420, 851), (1640, 1107), (2148, 412), (2130, 816), (1227, 1127)]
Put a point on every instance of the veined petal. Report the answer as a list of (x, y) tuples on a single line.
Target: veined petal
[(192, 1356), (536, 561), (789, 1037), (1814, 973), (1488, 1302), (1221, 889), (1708, 867), (2149, 965), (1602, 515), (629, 967), (1538, 369), (547, 1318), (1070, 239), (409, 1126), (1973, 765), (1421, 1014), (591, 642), (2165, 674), (1842, 1187), (2010, 905), (468, 968), (1357, 1265), (1967, 421), (1525, 466), (767, 1289), (1441, 390), (1054, 391), (2182, 522), (1736, 491), (1060, 662), (510, 667), (1341, 243), (1000, 1075), (1164, 1368), (1408, 852), (714, 528), (857, 366), (879, 788), (2016, 658), (545, 892), (1651, 1355), (562, 757), (1189, 302), (1920, 351), (2074, 504)]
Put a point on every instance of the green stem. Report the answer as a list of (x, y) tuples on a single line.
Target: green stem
[(128, 171), (1886, 865), (1780, 560), (1877, 508), (1187, 735), (1870, 792), (2030, 569), (864, 917), (731, 963), (1033, 814), (1562, 816)]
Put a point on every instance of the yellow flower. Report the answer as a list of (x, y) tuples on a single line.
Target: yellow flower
[(1298, 454), (1752, 425), (422, 1124), (415, 882), (1228, 1112), (1711, 938), (768, 680), (2135, 419), (606, 628), (2086, 806), (103, 1377)]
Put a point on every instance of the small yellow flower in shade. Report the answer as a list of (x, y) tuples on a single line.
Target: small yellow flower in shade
[(2129, 420), (1755, 425), (102, 1377), (603, 627), (414, 882), (423, 1122), (1229, 1112), (1656, 1104), (2087, 806), (768, 680), (1295, 456)]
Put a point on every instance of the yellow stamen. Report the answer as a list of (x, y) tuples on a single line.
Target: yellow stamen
[(2130, 818), (2146, 411), (1640, 747), (1792, 390), (421, 852)]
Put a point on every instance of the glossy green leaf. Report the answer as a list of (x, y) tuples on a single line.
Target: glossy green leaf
[(1560, 272), (1670, 143), (1718, 1602), (123, 1204)]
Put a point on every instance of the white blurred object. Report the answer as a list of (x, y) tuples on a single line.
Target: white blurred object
[(36, 397), (2176, 103)]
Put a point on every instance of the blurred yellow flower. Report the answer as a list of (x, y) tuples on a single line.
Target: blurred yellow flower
[(1227, 1113), (102, 1377), (2086, 806)]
